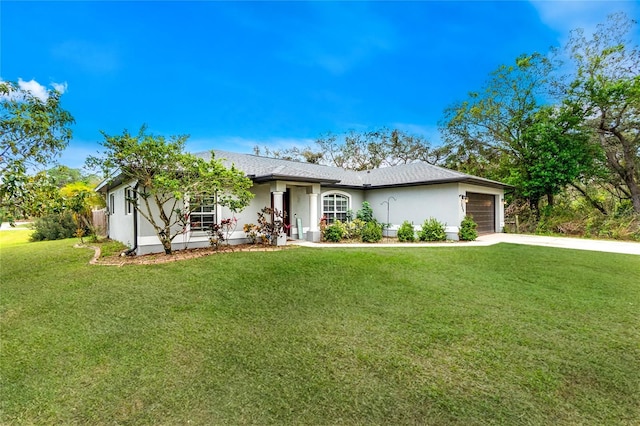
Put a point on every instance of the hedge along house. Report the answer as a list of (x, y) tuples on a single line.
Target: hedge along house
[(308, 192)]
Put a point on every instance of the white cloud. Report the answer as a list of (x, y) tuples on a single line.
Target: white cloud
[(60, 87), (567, 15), (36, 89)]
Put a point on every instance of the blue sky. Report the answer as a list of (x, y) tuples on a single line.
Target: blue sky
[(237, 74)]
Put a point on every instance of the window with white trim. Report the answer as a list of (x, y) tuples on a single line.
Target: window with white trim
[(203, 217), (112, 203), (335, 207)]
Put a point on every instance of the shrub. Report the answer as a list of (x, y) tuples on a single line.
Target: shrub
[(333, 232), (432, 230), (270, 225), (372, 232), (353, 229), (366, 213), (406, 232), (251, 231), (468, 229), (54, 227)]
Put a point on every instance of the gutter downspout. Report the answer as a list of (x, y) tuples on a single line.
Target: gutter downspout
[(132, 250)]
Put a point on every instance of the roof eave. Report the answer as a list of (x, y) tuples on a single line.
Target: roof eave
[(108, 184), (306, 179), (471, 180)]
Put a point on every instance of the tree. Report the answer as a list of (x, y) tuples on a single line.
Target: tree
[(606, 90), (33, 130), (35, 196), (80, 198), (62, 175), (169, 183), (492, 122), (504, 132), (556, 150), (361, 150)]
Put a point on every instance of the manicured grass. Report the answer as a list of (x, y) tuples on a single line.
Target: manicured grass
[(458, 335), (14, 237)]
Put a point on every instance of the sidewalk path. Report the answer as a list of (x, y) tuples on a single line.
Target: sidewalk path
[(608, 246), (6, 227)]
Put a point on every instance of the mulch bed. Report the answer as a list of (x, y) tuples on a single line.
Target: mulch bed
[(194, 253)]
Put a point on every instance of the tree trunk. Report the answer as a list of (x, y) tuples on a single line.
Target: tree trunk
[(550, 199), (635, 195), (534, 204), (626, 169), (165, 239), (594, 203), (166, 244)]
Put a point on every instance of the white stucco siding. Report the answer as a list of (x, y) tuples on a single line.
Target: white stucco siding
[(416, 204), (250, 213), (145, 229), (498, 193), (120, 222)]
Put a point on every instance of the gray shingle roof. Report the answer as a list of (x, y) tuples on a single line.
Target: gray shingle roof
[(265, 169)]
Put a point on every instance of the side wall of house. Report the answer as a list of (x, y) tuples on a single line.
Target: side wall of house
[(416, 204), (120, 223)]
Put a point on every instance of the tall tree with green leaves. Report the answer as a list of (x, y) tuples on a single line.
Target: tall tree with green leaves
[(33, 131), (485, 132), (506, 132), (555, 151), (606, 91), (168, 181)]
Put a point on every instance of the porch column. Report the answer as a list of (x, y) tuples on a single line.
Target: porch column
[(277, 205), (314, 233)]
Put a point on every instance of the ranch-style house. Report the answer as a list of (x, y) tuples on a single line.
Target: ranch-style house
[(307, 192)]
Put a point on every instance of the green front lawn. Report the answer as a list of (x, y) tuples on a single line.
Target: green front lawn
[(457, 335)]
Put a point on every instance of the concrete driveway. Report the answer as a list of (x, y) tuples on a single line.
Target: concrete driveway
[(623, 247), (609, 246)]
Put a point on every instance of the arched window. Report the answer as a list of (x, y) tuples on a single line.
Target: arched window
[(335, 206)]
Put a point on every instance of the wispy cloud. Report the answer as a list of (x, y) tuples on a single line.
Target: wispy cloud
[(36, 89), (93, 57), (60, 87), (567, 15)]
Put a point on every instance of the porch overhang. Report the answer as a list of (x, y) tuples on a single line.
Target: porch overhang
[(291, 178)]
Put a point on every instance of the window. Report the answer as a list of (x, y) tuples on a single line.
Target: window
[(204, 216), (129, 200), (112, 203), (334, 207)]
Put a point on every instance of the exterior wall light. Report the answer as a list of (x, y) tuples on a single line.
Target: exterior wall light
[(463, 201)]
